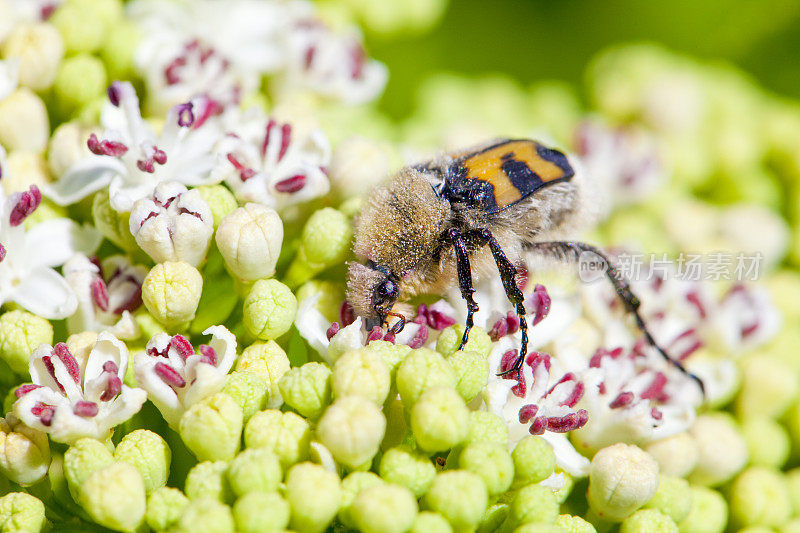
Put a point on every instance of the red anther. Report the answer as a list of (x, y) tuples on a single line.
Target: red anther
[(308, 57), (270, 126), (422, 314), (420, 337), (499, 330), (694, 299), (184, 211), (26, 203), (375, 335), (623, 399), (357, 56), (656, 413), (2, 253), (512, 321), (538, 426), (160, 156), (291, 184), (133, 303), (185, 114), (506, 363), (746, 331), (51, 369), (44, 411), (569, 376), (332, 330), (570, 422), (534, 359), (540, 304), (245, 173), (22, 390), (146, 165), (575, 396), (47, 11), (111, 367), (347, 314), (656, 388), (85, 409), (181, 345), (286, 138), (113, 94), (389, 337), (61, 351), (100, 293), (527, 412), (438, 320), (209, 354), (113, 388), (112, 148), (521, 277), (171, 72), (169, 375)]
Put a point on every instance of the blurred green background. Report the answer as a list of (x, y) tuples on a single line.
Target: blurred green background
[(538, 39)]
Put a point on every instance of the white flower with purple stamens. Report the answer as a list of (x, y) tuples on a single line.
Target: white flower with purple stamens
[(71, 399), (27, 257), (745, 318), (107, 294), (174, 224), (130, 159), (176, 377)]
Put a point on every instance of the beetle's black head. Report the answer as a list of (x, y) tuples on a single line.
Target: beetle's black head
[(372, 290)]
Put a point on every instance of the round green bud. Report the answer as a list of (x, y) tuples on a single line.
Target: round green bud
[(421, 370), (269, 309), (352, 485), (722, 450), (171, 292), (325, 242), (574, 524), (569, 483), (760, 496), (82, 26), (258, 512), (472, 372), (384, 508), (439, 419), (622, 479), (364, 373), (403, 466), (82, 459), (20, 334), (769, 387), (352, 428), (270, 363), (248, 390), (534, 460), (21, 513), (286, 434), (114, 497), (314, 495), (428, 522), (490, 461), (459, 496), (113, 225), (255, 470), (24, 124), (24, 452), (449, 339), (212, 428), (709, 513), (673, 498), (220, 199), (767, 442), (307, 389), (39, 49), (534, 503), (149, 453), (164, 507), (392, 354), (80, 80), (648, 521), (207, 515), (209, 480), (249, 239), (494, 518), (676, 455), (486, 426), (119, 49)]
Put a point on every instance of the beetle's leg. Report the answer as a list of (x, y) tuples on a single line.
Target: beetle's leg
[(571, 251), (464, 279)]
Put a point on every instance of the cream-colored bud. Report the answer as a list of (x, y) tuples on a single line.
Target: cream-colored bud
[(250, 241)]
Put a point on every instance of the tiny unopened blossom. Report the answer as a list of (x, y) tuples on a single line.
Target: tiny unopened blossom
[(352, 428), (404, 466), (325, 242), (207, 479), (287, 434), (164, 508), (174, 224), (459, 496), (315, 495), (39, 49), (114, 497), (71, 399), (261, 511), (249, 239), (108, 294), (746, 317), (534, 460), (20, 334), (176, 377), (384, 508), (759, 496), (171, 292), (130, 159), (19, 511), (439, 419), (212, 428), (24, 452), (622, 479), (24, 124), (254, 470), (307, 389), (269, 362), (721, 449)]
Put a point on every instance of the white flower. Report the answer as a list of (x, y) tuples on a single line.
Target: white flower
[(174, 224), (27, 257), (9, 77), (14, 12), (131, 159), (746, 318), (176, 377), (107, 295), (275, 164), (71, 399)]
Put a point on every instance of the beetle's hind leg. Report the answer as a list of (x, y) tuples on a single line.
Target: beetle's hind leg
[(464, 279), (571, 251)]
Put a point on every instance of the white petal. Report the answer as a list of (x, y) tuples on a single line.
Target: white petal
[(223, 342), (46, 293), (82, 179), (312, 325), (162, 395), (52, 242), (107, 348)]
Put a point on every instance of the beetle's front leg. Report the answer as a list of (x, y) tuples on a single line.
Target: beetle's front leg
[(464, 279)]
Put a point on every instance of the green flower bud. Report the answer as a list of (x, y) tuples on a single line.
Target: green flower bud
[(23, 169), (82, 459), (220, 199), (352, 428), (82, 25), (534, 503), (255, 470), (164, 507), (114, 497), (209, 480), (249, 239), (472, 373), (21, 513), (494, 519), (113, 225), (439, 419), (491, 462), (384, 508), (403, 466), (459, 496), (448, 341), (20, 334), (486, 426), (248, 390), (39, 49), (760, 496), (769, 387), (325, 242), (622, 479), (676, 455), (364, 373), (286, 434), (722, 451), (212, 428), (24, 124), (534, 460), (767, 442), (258, 512), (352, 485), (207, 515), (421, 370), (673, 498), (392, 354), (149, 453), (307, 389), (709, 512), (171, 292), (269, 309), (81, 79), (314, 494), (270, 363), (24, 452), (574, 524), (428, 522), (648, 521), (119, 47)]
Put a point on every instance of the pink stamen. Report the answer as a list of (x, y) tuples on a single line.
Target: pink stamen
[(26, 203), (694, 299), (539, 303), (61, 351), (656, 413), (357, 56), (522, 276), (2, 253), (596, 360), (575, 395), (22, 390), (270, 126), (347, 314), (245, 173), (332, 330), (286, 138), (51, 369), (113, 94), (499, 330), (85, 409), (656, 388), (512, 321), (146, 165), (749, 330), (389, 337), (171, 72), (438, 320), (160, 156), (534, 359), (538, 426), (375, 335), (169, 375), (309, 56), (44, 412), (133, 303), (291, 184), (420, 337), (113, 387), (527, 412), (570, 422), (506, 363), (111, 148), (623, 399), (182, 345), (185, 115), (208, 353), (100, 293)]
